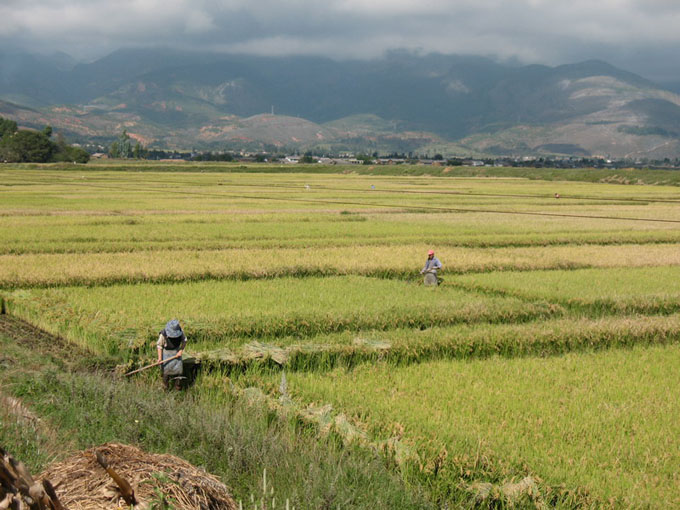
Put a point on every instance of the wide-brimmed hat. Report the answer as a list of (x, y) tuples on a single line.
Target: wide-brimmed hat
[(173, 329)]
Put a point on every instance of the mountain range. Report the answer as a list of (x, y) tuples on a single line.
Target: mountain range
[(403, 102)]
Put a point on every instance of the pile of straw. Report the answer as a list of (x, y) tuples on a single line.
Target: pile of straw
[(19, 490), (158, 481)]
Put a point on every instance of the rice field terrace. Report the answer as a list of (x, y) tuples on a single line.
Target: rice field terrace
[(601, 421), (541, 373)]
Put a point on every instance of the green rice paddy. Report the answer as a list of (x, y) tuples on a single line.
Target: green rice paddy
[(548, 352), (602, 421)]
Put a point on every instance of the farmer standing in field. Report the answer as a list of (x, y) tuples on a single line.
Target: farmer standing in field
[(171, 344), (432, 265)]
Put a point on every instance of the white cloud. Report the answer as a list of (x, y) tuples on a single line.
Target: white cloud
[(544, 31), (199, 22)]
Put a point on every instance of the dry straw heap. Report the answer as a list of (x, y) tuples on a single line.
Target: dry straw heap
[(19, 490), (158, 481)]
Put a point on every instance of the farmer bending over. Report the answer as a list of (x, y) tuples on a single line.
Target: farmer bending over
[(171, 343)]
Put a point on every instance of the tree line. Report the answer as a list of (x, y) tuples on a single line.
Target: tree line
[(29, 146)]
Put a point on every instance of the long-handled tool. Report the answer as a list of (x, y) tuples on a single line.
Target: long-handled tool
[(153, 365)]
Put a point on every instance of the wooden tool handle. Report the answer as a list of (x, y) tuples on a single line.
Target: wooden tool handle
[(126, 489)]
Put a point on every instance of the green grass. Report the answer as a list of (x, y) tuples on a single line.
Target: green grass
[(231, 438), (606, 421), (24, 439), (623, 176), (611, 290), (119, 317), (49, 191)]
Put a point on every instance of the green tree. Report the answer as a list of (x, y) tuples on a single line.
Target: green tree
[(26, 146), (68, 153), (122, 147), (114, 150), (7, 127), (125, 145), (365, 159)]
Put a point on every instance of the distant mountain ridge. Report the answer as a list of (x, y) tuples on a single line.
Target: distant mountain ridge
[(402, 102)]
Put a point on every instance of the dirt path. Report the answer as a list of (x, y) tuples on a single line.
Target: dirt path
[(38, 340)]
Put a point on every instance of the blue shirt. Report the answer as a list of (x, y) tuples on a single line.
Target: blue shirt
[(432, 263)]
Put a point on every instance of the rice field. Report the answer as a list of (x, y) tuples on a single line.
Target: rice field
[(226, 311), (546, 354), (601, 421), (610, 290), (175, 265)]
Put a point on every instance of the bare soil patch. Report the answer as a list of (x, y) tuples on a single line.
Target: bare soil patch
[(38, 340)]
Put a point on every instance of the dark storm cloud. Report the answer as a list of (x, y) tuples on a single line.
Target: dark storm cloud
[(636, 34)]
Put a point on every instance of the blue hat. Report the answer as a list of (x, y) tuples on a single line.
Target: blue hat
[(173, 329)]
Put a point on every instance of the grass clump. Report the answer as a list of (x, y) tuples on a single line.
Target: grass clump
[(23, 435)]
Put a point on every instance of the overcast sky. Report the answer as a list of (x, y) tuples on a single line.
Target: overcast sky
[(639, 35)]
